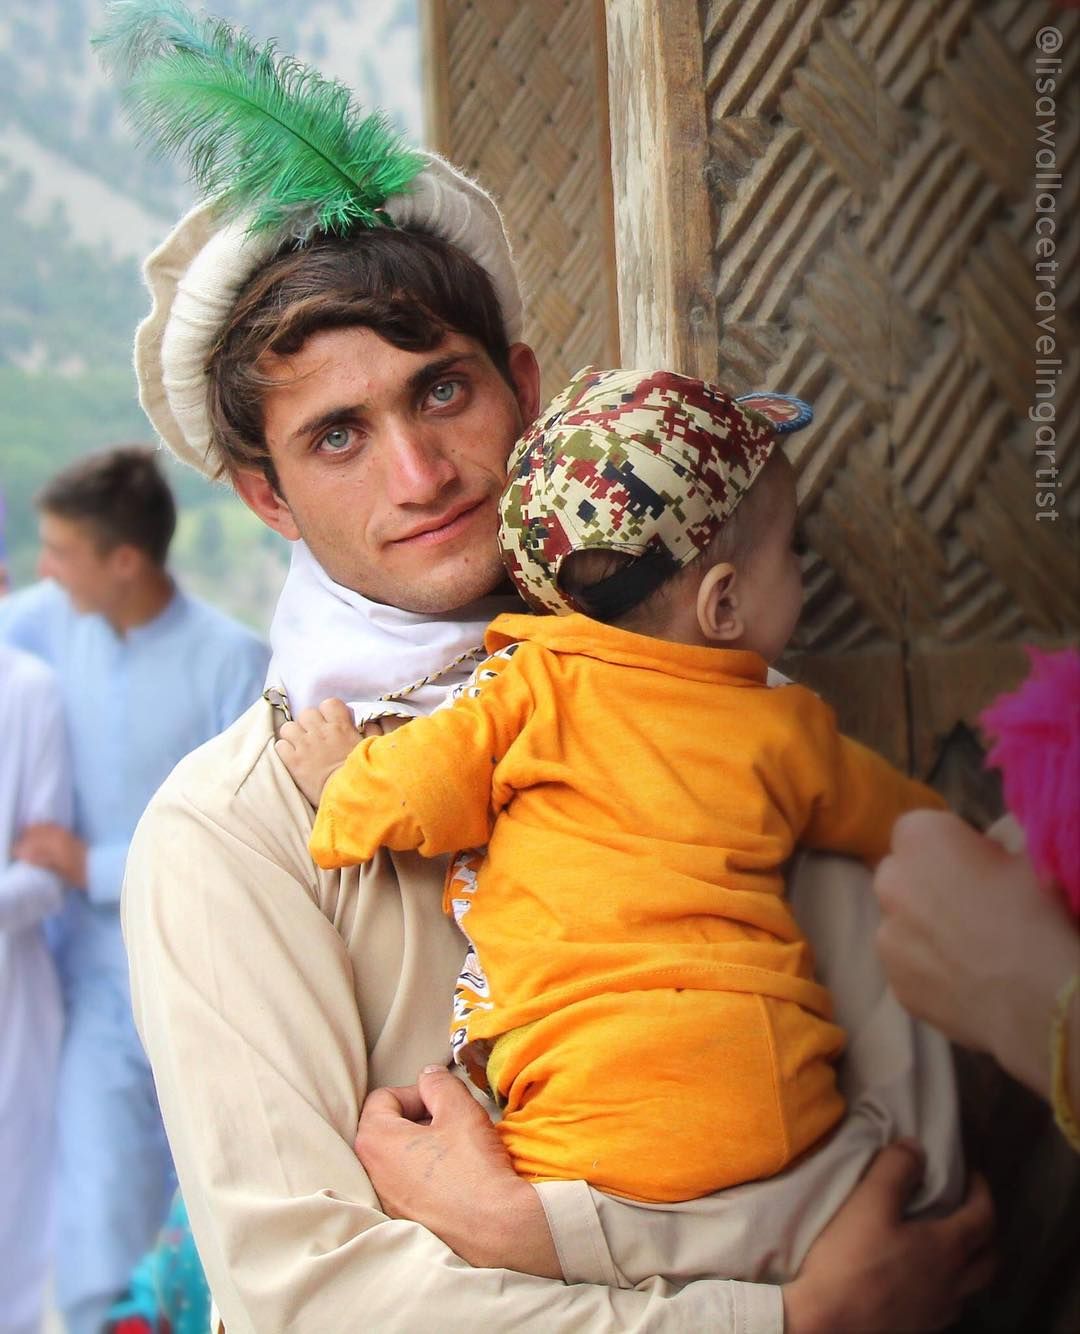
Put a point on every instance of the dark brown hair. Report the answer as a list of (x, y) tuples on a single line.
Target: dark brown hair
[(410, 287), (120, 495)]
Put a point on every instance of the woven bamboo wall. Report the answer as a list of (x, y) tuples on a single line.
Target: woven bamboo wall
[(517, 97), (870, 170), (834, 198)]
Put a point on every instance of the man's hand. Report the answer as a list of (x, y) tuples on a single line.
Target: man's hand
[(317, 744), (434, 1158), (53, 848), (971, 942), (873, 1272)]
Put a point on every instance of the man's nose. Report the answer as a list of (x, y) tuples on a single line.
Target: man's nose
[(419, 467)]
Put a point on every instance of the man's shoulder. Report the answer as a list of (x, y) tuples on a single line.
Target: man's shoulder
[(228, 794), (223, 767)]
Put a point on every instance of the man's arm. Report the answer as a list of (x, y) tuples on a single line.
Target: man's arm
[(856, 1278), (96, 868), (246, 1000), (28, 891), (973, 944), (33, 620)]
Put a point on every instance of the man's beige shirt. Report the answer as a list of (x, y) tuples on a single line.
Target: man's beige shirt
[(271, 996)]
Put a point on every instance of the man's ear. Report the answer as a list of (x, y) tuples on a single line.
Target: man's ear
[(127, 560), (718, 612), (255, 490), (525, 373)]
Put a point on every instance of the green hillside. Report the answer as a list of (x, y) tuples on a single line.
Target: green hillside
[(80, 204)]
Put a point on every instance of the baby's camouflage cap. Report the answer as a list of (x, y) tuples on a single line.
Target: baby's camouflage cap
[(648, 463)]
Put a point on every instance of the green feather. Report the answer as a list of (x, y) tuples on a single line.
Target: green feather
[(266, 136), (134, 31)]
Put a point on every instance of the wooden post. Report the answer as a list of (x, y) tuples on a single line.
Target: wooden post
[(663, 226)]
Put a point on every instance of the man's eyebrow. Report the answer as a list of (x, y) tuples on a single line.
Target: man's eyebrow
[(347, 412), (419, 380), (435, 370)]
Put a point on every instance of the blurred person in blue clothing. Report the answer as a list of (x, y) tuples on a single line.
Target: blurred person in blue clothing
[(5, 582), (35, 787), (147, 673)]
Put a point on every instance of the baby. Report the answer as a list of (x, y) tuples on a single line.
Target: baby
[(637, 994)]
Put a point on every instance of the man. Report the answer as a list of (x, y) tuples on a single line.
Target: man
[(147, 673), (362, 392), (34, 787)]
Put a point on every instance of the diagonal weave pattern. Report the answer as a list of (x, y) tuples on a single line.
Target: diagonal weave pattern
[(873, 179), (526, 115)]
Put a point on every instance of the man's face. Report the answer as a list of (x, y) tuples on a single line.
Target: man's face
[(391, 463), (71, 554)]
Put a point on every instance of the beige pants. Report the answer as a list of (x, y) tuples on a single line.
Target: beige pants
[(896, 1075)]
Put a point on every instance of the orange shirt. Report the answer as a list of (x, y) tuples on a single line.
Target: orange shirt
[(639, 799)]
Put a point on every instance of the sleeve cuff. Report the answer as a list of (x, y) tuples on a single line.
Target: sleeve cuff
[(576, 1232), (105, 872), (748, 1308), (758, 1308)]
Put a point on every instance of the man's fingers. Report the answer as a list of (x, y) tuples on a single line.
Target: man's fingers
[(445, 1096), (971, 1227), (437, 1095), (886, 884), (397, 1104), (388, 1118), (35, 845), (893, 1177), (912, 832)]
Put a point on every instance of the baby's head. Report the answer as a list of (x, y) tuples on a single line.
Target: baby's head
[(660, 504)]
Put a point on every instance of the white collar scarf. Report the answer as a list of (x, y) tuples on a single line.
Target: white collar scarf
[(328, 641)]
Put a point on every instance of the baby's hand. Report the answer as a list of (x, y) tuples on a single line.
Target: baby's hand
[(317, 744)]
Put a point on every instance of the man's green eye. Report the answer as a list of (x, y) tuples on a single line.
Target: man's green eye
[(338, 438), (443, 392)]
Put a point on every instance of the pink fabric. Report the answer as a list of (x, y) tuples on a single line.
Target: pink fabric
[(1036, 731)]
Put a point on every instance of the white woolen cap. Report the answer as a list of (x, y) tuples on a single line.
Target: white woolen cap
[(199, 270)]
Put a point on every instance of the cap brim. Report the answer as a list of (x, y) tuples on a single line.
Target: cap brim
[(783, 411)]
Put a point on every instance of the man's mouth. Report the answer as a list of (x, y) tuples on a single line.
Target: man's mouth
[(444, 526)]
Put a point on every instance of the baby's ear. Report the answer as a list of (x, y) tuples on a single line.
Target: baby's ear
[(718, 605)]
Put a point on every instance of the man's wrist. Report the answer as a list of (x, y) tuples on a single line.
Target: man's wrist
[(1021, 1043), (513, 1233)]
